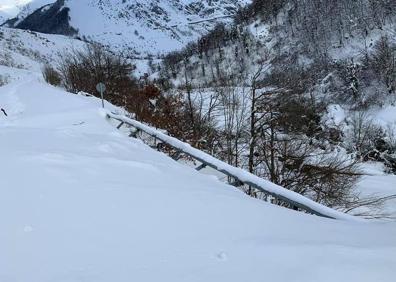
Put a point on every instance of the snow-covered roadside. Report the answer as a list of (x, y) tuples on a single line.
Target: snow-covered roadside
[(242, 175), (81, 202)]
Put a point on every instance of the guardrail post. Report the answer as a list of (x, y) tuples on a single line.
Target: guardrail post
[(200, 167), (120, 125), (177, 155), (134, 133), (237, 183)]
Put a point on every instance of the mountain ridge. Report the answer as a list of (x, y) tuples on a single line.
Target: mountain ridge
[(133, 25)]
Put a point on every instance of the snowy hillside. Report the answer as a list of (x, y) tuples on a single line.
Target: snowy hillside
[(331, 60), (24, 51), (82, 202), (141, 27)]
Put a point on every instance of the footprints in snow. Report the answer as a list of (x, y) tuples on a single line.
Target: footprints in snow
[(222, 256)]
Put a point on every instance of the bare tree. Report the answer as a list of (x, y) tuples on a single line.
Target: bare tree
[(363, 134), (234, 108), (383, 62), (51, 76), (81, 70)]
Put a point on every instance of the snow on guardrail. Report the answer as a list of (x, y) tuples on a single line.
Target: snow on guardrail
[(241, 175)]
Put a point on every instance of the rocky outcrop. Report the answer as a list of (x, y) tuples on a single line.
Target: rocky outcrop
[(53, 19)]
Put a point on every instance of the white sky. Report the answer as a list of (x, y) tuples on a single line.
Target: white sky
[(9, 7)]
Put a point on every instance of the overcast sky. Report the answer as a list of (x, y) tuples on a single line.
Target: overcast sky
[(9, 7)]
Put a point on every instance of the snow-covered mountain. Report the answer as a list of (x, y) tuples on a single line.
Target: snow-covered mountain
[(10, 8), (24, 9), (138, 26)]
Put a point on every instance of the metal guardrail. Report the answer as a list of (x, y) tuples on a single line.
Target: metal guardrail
[(295, 200)]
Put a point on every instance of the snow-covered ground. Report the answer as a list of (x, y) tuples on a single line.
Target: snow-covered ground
[(82, 202), (376, 182), (25, 50)]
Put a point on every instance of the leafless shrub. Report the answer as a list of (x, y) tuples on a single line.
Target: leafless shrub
[(363, 134), (368, 207), (292, 162), (383, 62), (4, 80), (81, 70), (234, 108), (51, 76), (391, 136), (6, 59)]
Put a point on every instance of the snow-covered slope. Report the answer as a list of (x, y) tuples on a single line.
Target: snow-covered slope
[(82, 202), (140, 26), (3, 17), (24, 51), (275, 46)]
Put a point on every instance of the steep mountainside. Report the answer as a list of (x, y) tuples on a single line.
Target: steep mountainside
[(136, 26)]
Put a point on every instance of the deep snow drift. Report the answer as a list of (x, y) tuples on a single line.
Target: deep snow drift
[(79, 201)]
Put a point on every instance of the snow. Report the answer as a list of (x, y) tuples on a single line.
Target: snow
[(9, 8), (377, 183), (3, 17), (386, 116), (357, 46), (24, 8), (336, 115), (25, 50), (82, 202)]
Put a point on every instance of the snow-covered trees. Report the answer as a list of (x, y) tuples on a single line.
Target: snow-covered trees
[(383, 62)]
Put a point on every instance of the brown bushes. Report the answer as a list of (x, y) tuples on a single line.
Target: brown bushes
[(51, 76), (82, 70)]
